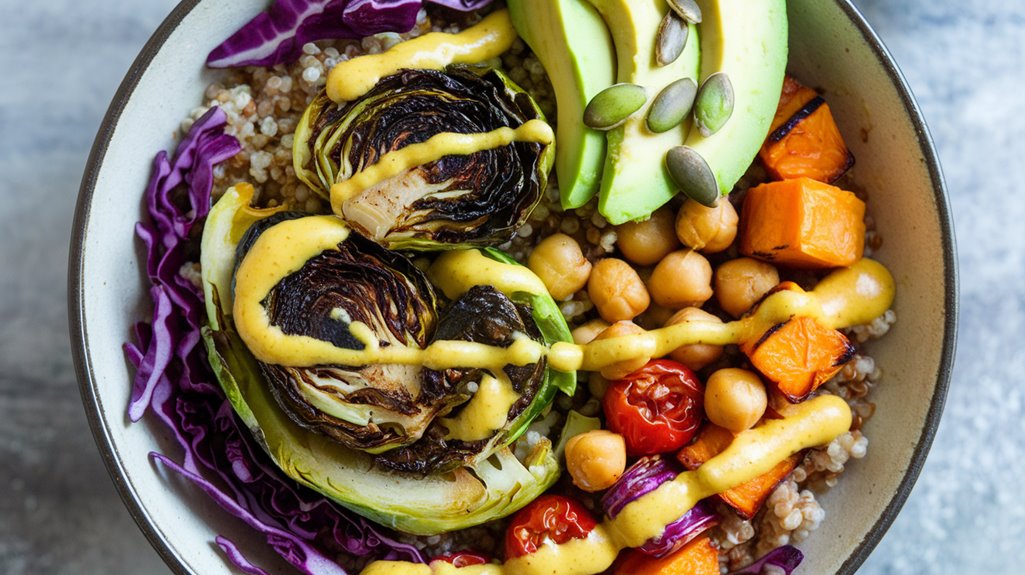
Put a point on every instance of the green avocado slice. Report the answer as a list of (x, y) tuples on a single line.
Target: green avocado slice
[(635, 181), (747, 41), (490, 489), (573, 44)]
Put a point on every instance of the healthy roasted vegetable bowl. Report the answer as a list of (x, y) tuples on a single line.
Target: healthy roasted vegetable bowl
[(573, 286)]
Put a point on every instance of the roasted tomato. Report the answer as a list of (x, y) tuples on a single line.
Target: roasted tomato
[(463, 559), (657, 408), (548, 518)]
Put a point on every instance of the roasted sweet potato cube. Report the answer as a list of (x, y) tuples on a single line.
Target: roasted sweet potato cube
[(699, 557), (804, 140), (799, 355), (793, 97), (747, 498), (711, 441), (802, 223)]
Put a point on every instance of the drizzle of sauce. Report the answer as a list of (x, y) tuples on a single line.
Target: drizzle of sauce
[(486, 412), (811, 423), (436, 147), (488, 39)]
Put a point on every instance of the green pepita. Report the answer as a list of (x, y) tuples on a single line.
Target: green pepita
[(714, 104), (613, 105), (672, 105), (671, 39), (693, 175), (687, 9)]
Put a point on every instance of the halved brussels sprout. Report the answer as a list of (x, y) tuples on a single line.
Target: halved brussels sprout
[(478, 199), (371, 407), (482, 480)]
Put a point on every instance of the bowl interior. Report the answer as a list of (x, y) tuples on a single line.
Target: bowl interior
[(831, 48)]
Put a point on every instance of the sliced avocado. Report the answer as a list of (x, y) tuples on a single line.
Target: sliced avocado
[(436, 503), (635, 181), (747, 41), (574, 46)]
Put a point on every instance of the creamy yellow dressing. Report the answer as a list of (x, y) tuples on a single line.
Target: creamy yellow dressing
[(488, 39), (455, 272), (435, 148), (486, 412), (752, 453), (846, 297)]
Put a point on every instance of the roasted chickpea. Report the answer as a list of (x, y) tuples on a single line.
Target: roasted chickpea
[(596, 459), (695, 355), (586, 333), (735, 399), (616, 290), (561, 265), (683, 278), (645, 243), (708, 230), (622, 369), (741, 283)]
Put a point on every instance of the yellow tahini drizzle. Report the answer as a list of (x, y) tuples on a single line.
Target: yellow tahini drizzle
[(488, 39), (752, 453), (435, 148)]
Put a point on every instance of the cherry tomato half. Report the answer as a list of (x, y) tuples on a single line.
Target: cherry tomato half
[(463, 559), (548, 518), (657, 408)]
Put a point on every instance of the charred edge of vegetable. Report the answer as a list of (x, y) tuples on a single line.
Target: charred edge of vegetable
[(807, 110), (848, 354), (768, 333)]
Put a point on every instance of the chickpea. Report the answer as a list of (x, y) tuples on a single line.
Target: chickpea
[(596, 459), (586, 333), (735, 399), (645, 243), (597, 385), (681, 279), (561, 265), (708, 230), (741, 283), (621, 369), (616, 290), (695, 355)]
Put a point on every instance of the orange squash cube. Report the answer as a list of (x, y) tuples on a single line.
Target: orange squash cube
[(798, 355), (748, 497), (802, 223), (699, 557), (804, 140)]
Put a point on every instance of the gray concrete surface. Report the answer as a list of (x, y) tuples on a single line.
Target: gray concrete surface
[(61, 62)]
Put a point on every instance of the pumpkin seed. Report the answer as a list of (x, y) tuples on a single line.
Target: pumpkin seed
[(687, 9), (671, 39), (672, 105), (693, 175), (613, 105), (714, 104)]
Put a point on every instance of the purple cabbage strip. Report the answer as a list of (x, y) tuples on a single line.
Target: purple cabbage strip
[(783, 560), (237, 558), (643, 477), (277, 35), (174, 381)]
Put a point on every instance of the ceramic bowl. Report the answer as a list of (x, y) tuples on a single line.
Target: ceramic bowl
[(831, 47)]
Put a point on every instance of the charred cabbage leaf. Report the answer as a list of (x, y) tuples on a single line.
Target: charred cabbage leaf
[(478, 199), (372, 407), (477, 488)]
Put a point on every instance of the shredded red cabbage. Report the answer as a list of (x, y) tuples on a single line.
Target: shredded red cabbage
[(174, 381), (277, 36), (643, 477), (780, 561)]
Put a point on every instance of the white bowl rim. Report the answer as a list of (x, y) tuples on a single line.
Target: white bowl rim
[(109, 449)]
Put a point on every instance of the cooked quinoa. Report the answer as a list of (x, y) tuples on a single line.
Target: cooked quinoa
[(264, 106)]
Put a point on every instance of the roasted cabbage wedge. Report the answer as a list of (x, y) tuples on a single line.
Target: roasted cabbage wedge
[(478, 486), (479, 199)]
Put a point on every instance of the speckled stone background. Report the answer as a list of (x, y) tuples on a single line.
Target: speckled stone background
[(61, 62)]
